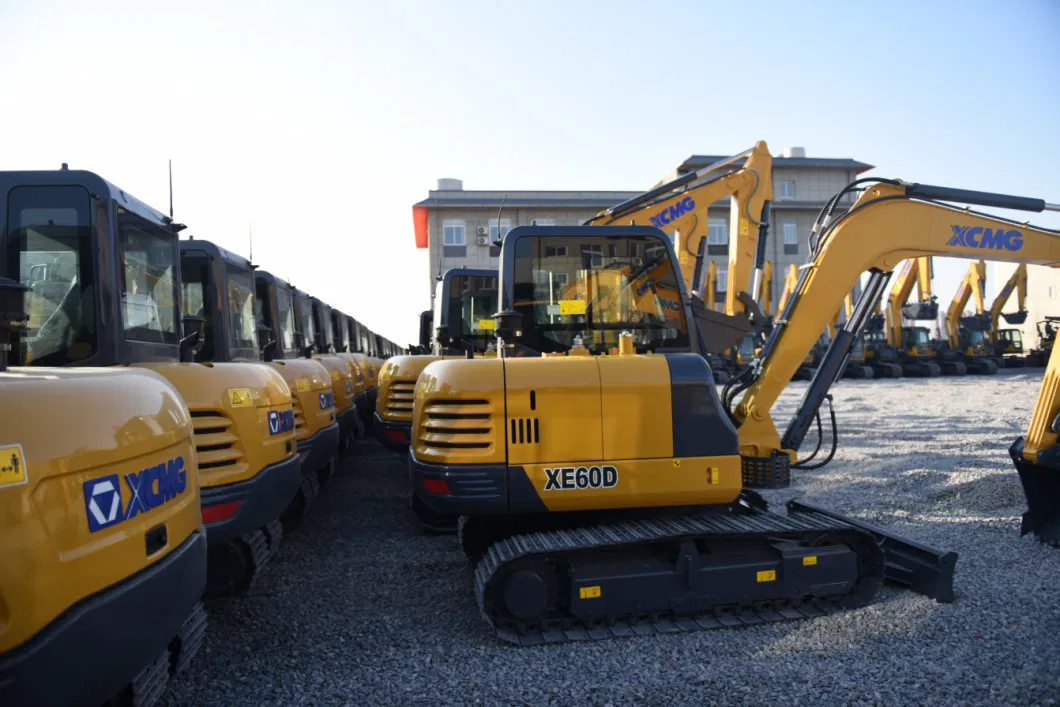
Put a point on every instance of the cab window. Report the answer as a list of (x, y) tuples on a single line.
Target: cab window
[(148, 280), (49, 249)]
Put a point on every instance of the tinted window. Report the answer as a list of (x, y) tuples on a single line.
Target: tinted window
[(241, 327), (599, 289), (148, 280), (49, 249), (195, 289)]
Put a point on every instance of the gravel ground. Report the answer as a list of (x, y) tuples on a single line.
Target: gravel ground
[(361, 608)]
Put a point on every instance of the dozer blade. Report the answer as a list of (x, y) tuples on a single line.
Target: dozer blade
[(1041, 487), (922, 568), (720, 331)]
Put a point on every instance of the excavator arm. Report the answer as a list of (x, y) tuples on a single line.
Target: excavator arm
[(789, 287), (891, 221), (1017, 282), (973, 284), (680, 207), (765, 294)]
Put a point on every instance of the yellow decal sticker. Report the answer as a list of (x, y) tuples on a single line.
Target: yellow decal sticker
[(571, 307), (487, 324), (12, 465), (301, 385), (767, 576), (589, 592), (809, 560), (677, 463), (334, 375), (743, 227), (240, 397)]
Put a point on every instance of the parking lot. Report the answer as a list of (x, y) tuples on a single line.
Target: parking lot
[(360, 607)]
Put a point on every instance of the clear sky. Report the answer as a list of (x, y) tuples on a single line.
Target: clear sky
[(321, 123)]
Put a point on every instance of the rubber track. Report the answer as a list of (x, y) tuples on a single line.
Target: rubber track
[(259, 555), (309, 488), (273, 536), (189, 640), (760, 523), (150, 684)]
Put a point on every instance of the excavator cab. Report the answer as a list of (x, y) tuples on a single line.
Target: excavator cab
[(465, 300), (316, 429), (341, 368)]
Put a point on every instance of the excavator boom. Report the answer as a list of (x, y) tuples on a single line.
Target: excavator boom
[(972, 285), (889, 222)]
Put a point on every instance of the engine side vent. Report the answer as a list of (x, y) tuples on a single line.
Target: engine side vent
[(524, 430), (457, 424), (215, 444)]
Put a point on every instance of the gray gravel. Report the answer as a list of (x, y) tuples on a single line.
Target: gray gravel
[(361, 608)]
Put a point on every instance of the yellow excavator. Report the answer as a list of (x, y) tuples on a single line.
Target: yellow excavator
[(342, 369), (104, 275), (565, 447), (969, 335), (282, 345), (913, 345), (342, 344), (82, 553), (1007, 344)]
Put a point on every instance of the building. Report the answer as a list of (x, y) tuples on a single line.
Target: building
[(458, 226)]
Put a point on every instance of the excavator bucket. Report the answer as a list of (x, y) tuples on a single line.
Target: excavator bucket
[(1015, 317), (720, 331), (1041, 486), (921, 310), (924, 569), (977, 322)]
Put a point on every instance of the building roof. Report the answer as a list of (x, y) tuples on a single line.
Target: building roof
[(700, 161), (560, 199)]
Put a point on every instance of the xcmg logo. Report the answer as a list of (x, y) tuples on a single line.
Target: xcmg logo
[(649, 284), (978, 237), (669, 214), (149, 489)]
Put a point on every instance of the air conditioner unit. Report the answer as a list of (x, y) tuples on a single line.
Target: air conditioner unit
[(483, 231), (482, 240)]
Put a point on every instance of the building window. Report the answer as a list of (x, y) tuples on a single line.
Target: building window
[(454, 232), (555, 251), (786, 190), (544, 222), (717, 231), (722, 283), (506, 225), (592, 256), (560, 279), (791, 233)]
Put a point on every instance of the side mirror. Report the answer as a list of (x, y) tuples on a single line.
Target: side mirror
[(509, 326), (267, 343), (426, 319), (442, 336), (193, 327)]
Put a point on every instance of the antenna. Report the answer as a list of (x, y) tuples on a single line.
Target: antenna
[(170, 189), (250, 237), (500, 210)]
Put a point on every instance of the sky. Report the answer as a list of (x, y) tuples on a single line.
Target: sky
[(316, 125)]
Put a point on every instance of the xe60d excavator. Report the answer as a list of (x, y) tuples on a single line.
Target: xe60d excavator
[(556, 436), (969, 335)]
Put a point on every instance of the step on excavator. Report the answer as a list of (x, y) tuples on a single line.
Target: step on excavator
[(82, 553), (969, 335), (1007, 344), (316, 429), (591, 513), (104, 272)]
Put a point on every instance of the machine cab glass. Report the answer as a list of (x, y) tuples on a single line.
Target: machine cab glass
[(595, 287)]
